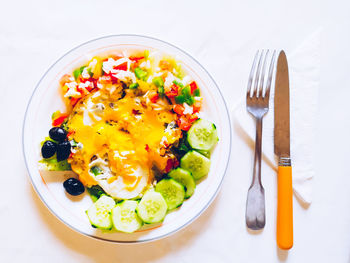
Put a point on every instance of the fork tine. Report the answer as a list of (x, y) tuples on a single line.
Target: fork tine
[(268, 85), (261, 83), (251, 75), (257, 75)]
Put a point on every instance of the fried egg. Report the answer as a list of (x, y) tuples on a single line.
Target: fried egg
[(118, 134)]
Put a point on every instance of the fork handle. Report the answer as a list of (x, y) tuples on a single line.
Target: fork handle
[(257, 155), (284, 207), (255, 206)]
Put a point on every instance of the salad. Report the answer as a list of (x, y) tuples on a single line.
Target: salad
[(132, 133)]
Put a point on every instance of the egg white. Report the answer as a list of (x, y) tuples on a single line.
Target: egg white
[(117, 188)]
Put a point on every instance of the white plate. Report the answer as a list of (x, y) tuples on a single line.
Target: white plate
[(45, 100)]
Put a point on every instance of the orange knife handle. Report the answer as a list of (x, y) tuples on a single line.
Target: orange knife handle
[(284, 207)]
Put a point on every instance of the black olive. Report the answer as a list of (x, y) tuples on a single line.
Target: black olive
[(48, 149), (58, 134), (63, 151), (73, 186)]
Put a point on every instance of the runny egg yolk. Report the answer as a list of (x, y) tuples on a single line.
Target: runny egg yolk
[(121, 133)]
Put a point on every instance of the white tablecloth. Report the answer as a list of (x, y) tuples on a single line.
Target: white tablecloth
[(33, 34)]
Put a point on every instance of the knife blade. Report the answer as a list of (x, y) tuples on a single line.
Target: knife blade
[(282, 150), (282, 126)]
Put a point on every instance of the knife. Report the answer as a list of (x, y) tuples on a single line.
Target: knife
[(282, 150)]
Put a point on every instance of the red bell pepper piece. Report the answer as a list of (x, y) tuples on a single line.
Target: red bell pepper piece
[(74, 101), (59, 119), (70, 133), (154, 97), (123, 66), (114, 56), (193, 86), (134, 58)]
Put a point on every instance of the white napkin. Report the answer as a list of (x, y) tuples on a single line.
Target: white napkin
[(304, 74)]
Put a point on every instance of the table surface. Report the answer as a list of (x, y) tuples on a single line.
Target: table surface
[(33, 34)]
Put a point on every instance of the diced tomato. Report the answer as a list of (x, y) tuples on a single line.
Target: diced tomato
[(74, 101), (165, 65), (171, 91), (154, 96), (193, 86), (123, 66), (147, 148), (59, 119), (184, 123), (179, 109), (192, 117), (176, 163), (197, 106), (169, 165), (134, 58)]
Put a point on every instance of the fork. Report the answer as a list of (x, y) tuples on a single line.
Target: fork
[(258, 106)]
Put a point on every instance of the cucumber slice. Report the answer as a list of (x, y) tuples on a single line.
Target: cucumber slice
[(152, 207), (195, 163), (172, 191), (124, 217), (202, 135), (205, 153), (99, 213), (184, 177)]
